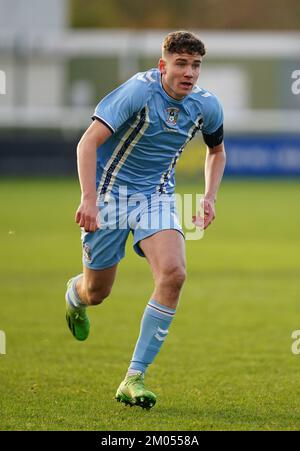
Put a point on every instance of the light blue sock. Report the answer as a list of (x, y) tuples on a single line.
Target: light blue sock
[(72, 297), (154, 330)]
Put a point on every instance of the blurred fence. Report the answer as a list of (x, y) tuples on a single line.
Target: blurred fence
[(53, 80)]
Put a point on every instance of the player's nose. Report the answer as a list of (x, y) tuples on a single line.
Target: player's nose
[(188, 72)]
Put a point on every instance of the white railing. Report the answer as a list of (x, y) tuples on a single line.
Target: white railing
[(54, 49), (78, 118)]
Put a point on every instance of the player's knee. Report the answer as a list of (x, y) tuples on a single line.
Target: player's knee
[(178, 277), (173, 276), (97, 296)]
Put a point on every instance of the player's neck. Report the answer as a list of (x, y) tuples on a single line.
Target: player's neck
[(169, 91)]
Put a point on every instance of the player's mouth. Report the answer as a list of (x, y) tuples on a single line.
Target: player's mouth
[(186, 85)]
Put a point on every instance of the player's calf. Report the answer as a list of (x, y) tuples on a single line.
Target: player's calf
[(96, 297)]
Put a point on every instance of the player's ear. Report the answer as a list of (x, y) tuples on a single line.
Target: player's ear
[(162, 66)]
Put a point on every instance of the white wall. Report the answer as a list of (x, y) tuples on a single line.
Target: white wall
[(42, 15)]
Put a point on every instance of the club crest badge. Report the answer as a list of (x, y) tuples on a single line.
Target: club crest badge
[(172, 115), (87, 252)]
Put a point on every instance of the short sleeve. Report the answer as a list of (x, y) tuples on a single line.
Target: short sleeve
[(213, 114), (121, 104)]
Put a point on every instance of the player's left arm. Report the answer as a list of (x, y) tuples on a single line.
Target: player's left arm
[(213, 135), (214, 169), (213, 172)]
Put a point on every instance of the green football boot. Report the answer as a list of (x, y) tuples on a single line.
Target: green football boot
[(77, 320), (132, 392)]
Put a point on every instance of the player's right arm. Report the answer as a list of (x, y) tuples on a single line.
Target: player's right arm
[(87, 212), (111, 112)]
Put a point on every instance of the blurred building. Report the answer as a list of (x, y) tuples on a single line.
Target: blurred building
[(54, 76)]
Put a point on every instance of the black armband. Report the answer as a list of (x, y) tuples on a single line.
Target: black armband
[(215, 138)]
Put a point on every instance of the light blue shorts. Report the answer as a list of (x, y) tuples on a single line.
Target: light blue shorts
[(142, 216)]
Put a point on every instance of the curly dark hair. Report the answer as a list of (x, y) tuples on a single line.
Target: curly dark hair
[(183, 42)]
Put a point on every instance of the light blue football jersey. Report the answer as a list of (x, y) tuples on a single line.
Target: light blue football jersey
[(150, 130)]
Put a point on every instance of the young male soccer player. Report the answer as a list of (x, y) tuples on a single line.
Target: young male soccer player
[(138, 133)]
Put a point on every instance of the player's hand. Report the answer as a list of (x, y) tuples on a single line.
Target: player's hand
[(86, 216), (208, 206)]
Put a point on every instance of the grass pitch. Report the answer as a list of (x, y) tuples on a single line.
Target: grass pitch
[(227, 363)]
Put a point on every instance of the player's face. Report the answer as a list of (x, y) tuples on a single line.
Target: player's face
[(180, 72)]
